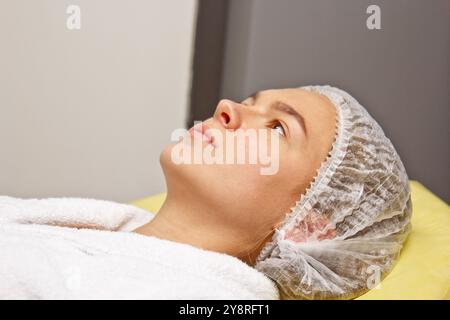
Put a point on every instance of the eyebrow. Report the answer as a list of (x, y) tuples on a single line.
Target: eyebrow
[(285, 108), (255, 95)]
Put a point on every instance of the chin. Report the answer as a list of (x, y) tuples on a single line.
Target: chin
[(164, 157), (173, 171), (184, 178)]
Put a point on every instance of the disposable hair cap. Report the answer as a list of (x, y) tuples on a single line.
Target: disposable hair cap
[(346, 231)]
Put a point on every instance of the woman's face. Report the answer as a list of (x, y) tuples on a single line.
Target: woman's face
[(236, 196)]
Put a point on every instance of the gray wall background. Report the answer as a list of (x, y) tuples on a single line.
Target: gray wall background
[(86, 113), (400, 73)]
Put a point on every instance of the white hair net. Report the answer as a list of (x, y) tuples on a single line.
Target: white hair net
[(345, 232)]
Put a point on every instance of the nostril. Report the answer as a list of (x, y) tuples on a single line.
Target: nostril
[(225, 118)]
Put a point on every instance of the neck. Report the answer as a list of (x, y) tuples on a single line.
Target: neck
[(187, 223)]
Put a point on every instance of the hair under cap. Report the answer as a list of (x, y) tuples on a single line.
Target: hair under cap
[(345, 232)]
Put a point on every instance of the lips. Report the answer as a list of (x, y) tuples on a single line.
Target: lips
[(201, 130)]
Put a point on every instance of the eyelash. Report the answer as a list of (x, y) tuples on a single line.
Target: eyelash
[(277, 123), (273, 124)]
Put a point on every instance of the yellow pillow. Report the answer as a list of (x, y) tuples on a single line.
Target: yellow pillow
[(423, 269)]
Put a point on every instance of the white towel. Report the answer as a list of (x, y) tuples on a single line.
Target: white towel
[(70, 248)]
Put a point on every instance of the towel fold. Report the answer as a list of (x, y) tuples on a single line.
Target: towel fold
[(70, 248), (73, 212)]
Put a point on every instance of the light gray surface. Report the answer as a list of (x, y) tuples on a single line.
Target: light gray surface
[(400, 73), (86, 113)]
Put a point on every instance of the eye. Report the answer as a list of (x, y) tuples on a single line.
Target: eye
[(279, 127)]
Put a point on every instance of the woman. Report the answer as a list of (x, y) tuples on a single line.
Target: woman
[(329, 223), (338, 173)]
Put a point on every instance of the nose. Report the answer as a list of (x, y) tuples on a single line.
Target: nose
[(227, 114)]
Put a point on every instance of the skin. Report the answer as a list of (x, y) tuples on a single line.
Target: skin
[(232, 208)]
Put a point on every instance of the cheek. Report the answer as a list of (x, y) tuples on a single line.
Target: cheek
[(237, 186), (237, 192), (264, 200), (220, 185), (298, 167)]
